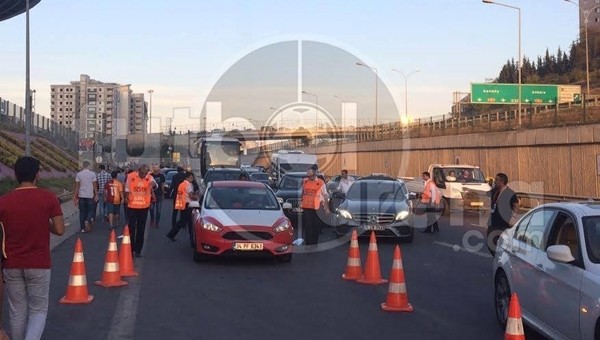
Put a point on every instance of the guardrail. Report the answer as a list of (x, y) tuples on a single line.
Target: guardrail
[(532, 199)]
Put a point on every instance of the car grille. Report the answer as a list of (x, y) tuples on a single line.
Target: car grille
[(247, 235), (374, 218), (295, 202)]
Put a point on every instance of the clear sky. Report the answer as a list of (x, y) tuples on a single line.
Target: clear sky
[(180, 49)]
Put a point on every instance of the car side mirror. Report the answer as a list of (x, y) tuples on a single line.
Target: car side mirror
[(194, 205), (560, 253), (287, 205)]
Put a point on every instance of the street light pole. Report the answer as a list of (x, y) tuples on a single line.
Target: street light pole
[(520, 66), (376, 91), (150, 114), (27, 85), (406, 89), (586, 16), (316, 109)]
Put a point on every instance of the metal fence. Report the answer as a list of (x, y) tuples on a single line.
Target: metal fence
[(12, 117)]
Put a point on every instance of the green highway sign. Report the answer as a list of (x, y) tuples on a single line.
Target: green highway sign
[(494, 93)]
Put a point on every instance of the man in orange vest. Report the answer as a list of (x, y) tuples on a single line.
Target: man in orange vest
[(185, 194), (314, 197), (139, 193), (431, 198)]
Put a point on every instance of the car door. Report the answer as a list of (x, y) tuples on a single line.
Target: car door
[(524, 251), (559, 284)]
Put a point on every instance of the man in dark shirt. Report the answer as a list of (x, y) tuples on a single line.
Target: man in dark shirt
[(159, 193), (504, 204)]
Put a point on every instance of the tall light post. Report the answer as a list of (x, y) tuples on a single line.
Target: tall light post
[(376, 90), (405, 76), (520, 57), (27, 85), (150, 113), (316, 109), (586, 16)]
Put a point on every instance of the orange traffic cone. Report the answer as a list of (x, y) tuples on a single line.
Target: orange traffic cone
[(514, 323), (125, 255), (397, 299), (77, 291), (111, 276), (353, 267), (372, 275)]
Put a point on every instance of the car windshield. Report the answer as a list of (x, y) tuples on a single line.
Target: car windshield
[(377, 191), (232, 198), (591, 229), (291, 183), (212, 176), (458, 174), (260, 177)]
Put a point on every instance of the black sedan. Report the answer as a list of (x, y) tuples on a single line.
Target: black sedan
[(376, 203)]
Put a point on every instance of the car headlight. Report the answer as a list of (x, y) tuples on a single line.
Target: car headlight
[(211, 227), (282, 227), (344, 213), (402, 215)]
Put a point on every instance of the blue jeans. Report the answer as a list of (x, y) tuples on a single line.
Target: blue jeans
[(155, 211), (101, 206), (86, 211), (27, 291)]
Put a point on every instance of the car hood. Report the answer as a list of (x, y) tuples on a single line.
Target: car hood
[(230, 218), (366, 207)]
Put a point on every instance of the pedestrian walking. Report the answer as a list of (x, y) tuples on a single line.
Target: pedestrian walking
[(29, 214), (159, 194), (175, 182), (185, 194), (101, 178), (139, 193), (314, 198), (85, 196), (114, 196), (504, 206), (430, 200)]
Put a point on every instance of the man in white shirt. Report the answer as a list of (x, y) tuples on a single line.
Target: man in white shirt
[(85, 196), (345, 182)]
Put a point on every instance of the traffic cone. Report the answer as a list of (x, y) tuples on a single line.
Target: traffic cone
[(125, 255), (111, 276), (514, 323), (372, 275), (77, 291), (353, 267), (397, 299)]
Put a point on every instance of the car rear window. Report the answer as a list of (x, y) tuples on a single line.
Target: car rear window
[(213, 176)]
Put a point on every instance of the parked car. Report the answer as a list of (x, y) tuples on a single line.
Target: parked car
[(169, 174), (261, 177), (551, 259), (241, 218), (377, 203), (221, 174)]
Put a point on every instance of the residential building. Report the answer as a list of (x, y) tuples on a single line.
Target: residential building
[(594, 16), (94, 107)]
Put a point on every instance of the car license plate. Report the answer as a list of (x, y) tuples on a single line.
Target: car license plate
[(248, 246), (373, 227), (477, 204), (296, 209)]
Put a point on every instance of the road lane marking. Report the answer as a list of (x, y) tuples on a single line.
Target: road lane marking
[(458, 248)]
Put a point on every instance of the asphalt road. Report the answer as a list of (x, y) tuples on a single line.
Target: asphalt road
[(449, 285)]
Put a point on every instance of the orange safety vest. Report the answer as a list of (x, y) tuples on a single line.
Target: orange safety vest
[(181, 195), (140, 191), (431, 187), (311, 193)]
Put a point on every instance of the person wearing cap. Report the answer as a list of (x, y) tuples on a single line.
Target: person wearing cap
[(314, 198), (139, 194)]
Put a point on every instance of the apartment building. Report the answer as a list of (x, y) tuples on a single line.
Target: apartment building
[(592, 9), (91, 107)]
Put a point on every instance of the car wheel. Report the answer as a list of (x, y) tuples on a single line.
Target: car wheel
[(501, 298), (285, 258), (445, 207)]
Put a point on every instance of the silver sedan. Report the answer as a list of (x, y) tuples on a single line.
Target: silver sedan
[(551, 259)]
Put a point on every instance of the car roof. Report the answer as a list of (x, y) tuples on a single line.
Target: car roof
[(237, 184), (377, 178), (225, 169), (464, 166), (584, 208)]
